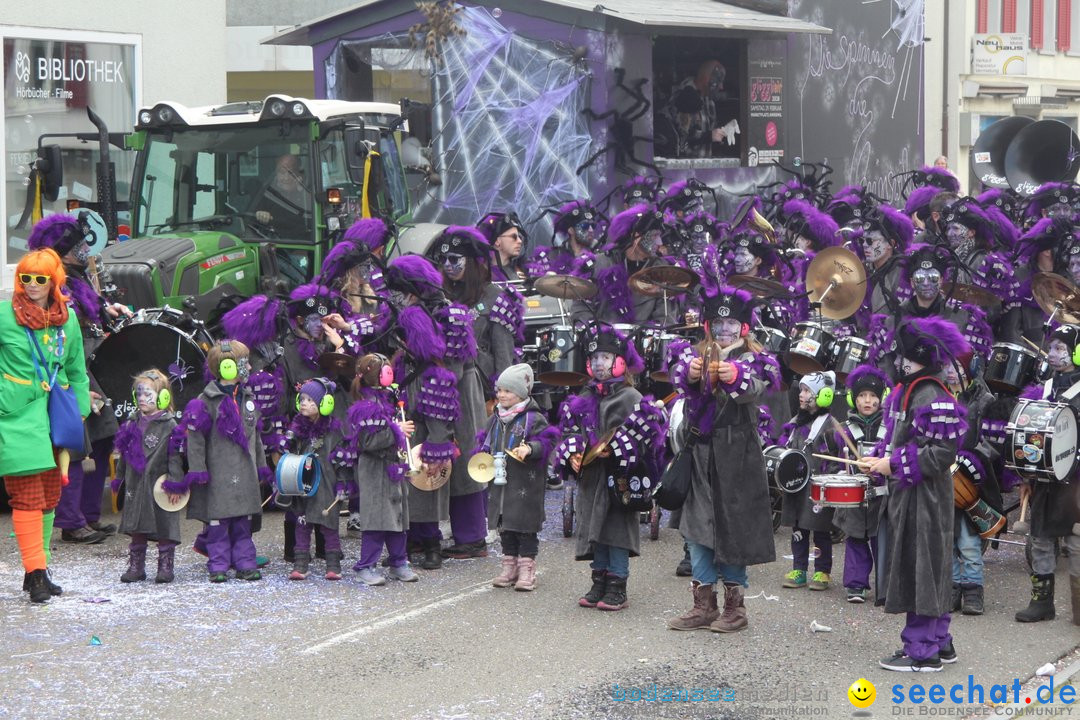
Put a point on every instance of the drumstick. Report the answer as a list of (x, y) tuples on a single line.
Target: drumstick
[(327, 510), (847, 441), (1021, 526), (1034, 347), (860, 463), (269, 498)]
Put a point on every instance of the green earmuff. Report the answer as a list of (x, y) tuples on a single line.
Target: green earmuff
[(227, 370), (326, 405), (825, 397), (1076, 355), (164, 399)]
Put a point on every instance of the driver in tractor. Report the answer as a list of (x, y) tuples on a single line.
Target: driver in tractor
[(285, 203)]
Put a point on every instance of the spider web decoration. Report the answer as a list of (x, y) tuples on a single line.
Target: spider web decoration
[(908, 22), (508, 124)]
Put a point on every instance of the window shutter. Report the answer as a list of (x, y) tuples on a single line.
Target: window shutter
[(1064, 25), (1037, 23), (1008, 16)]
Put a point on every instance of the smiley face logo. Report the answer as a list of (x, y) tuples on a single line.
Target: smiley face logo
[(862, 693)]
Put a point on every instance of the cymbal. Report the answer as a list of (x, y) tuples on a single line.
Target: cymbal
[(563, 378), (594, 452), (1054, 292), (760, 287), (656, 280), (162, 498), (565, 287), (844, 272), (336, 363), (482, 467), (971, 294), (421, 480)]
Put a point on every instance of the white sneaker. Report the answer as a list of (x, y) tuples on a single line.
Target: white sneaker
[(492, 537), (403, 573), (371, 576)]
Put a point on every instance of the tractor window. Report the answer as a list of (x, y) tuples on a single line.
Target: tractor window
[(156, 199), (335, 174), (205, 187)]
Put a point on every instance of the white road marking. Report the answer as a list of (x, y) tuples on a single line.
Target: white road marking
[(393, 618)]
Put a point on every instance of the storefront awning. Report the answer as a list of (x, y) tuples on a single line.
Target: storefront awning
[(687, 15)]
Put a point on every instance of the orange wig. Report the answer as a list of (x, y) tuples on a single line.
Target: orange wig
[(43, 262)]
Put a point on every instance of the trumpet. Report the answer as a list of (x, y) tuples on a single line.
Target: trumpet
[(407, 455)]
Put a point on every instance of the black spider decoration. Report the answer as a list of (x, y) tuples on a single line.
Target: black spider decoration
[(621, 132)]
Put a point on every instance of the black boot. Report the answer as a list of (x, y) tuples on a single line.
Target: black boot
[(290, 539), (54, 589), (1041, 606), (165, 558), (39, 591), (415, 551), (614, 594), (596, 592), (432, 555), (957, 597), (333, 564), (973, 599), (320, 547), (684, 568), (136, 571)]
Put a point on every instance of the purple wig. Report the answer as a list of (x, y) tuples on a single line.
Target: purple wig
[(253, 321), (60, 232), (920, 198), (806, 220), (371, 233), (413, 274)]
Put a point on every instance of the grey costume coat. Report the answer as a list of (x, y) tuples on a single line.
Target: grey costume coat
[(919, 507), (233, 486), (728, 507), (798, 509), (141, 514), (384, 502), (334, 475)]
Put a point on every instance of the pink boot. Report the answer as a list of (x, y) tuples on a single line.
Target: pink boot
[(526, 572), (509, 572)]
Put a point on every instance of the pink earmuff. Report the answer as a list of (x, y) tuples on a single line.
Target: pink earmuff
[(588, 367), (386, 376), (618, 369)]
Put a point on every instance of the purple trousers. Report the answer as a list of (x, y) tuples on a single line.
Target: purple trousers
[(468, 518), (924, 635), (859, 561), (138, 542), (800, 550), (80, 500), (330, 536), (371, 549), (229, 544)]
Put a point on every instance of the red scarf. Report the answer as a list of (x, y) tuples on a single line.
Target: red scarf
[(30, 314)]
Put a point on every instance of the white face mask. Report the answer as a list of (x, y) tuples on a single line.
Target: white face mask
[(602, 363), (744, 261), (875, 246), (725, 331)]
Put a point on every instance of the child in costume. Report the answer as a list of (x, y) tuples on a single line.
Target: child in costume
[(226, 462), (378, 434), (519, 433), (143, 444)]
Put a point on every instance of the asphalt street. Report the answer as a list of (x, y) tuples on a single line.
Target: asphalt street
[(452, 647)]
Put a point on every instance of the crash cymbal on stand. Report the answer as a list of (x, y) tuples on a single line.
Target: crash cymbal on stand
[(757, 286), (971, 294), (1055, 293), (565, 287), (656, 280), (482, 467), (837, 279)]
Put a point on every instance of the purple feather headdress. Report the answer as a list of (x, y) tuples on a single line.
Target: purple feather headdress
[(622, 225), (602, 337), (941, 178), (932, 341), (728, 302), (574, 212), (462, 240), (1001, 225), (1049, 194), (253, 321), (342, 257), (867, 377), (895, 225), (640, 189), (1046, 234), (920, 198), (806, 220), (60, 232), (313, 297), (413, 274), (371, 233)]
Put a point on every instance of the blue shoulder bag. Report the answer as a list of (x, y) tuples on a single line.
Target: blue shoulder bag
[(65, 420)]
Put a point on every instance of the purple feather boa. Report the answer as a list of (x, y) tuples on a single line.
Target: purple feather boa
[(88, 305), (196, 417), (614, 286), (548, 438), (197, 478), (177, 487), (308, 351), (129, 443), (580, 415), (438, 397), (457, 323), (229, 424), (304, 429), (374, 405), (422, 338), (431, 453)]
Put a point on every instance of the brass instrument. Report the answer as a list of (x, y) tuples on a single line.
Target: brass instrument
[(762, 226)]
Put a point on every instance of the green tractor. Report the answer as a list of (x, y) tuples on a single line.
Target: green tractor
[(232, 200)]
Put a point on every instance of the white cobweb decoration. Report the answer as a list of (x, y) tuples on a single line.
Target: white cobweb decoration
[(908, 22), (508, 124)]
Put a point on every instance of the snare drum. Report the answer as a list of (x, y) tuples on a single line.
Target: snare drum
[(560, 361), (1041, 440), (848, 354), (298, 475), (773, 340), (839, 491), (810, 350), (1011, 367), (786, 468)]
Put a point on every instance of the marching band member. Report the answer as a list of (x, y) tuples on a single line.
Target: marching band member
[(519, 431), (884, 237), (867, 389), (462, 253), (380, 440), (226, 462), (429, 391), (607, 535), (1054, 506), (969, 232), (315, 432), (1052, 200), (924, 426), (808, 431), (578, 227), (1037, 250), (353, 268), (144, 448), (507, 238), (727, 518)]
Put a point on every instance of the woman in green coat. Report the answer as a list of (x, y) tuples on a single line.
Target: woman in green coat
[(28, 460)]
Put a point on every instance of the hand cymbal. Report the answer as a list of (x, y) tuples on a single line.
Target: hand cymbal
[(837, 279), (594, 452), (565, 287), (1055, 293), (656, 280), (971, 294), (757, 286), (482, 467)]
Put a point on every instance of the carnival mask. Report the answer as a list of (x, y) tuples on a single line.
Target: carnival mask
[(927, 283), (725, 330), (744, 261)]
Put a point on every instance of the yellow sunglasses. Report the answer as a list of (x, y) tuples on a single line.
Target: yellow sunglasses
[(27, 279)]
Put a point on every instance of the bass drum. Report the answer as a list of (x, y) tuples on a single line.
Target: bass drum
[(163, 338)]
